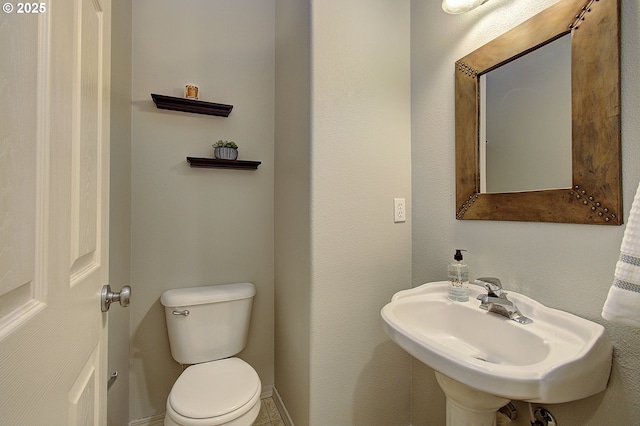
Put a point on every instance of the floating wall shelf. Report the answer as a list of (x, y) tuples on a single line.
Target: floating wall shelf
[(191, 105), (223, 164), (208, 108)]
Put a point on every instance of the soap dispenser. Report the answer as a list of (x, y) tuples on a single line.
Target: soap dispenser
[(458, 278)]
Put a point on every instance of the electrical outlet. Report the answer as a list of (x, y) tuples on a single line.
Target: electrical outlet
[(399, 210)]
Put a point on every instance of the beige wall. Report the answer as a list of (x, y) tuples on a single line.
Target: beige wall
[(361, 160), (348, 125), (190, 226), (565, 266), (293, 206)]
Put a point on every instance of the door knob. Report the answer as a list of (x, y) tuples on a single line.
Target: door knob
[(107, 297)]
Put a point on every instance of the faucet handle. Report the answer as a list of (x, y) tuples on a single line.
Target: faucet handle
[(492, 284)]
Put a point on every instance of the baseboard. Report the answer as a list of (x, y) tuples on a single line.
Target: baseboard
[(267, 391), (286, 418), (149, 421)]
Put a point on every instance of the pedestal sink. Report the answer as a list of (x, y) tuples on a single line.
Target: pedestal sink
[(482, 360)]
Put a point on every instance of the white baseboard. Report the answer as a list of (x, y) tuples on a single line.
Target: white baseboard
[(286, 418), (149, 421), (267, 392)]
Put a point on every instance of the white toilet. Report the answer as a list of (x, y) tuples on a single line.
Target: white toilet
[(207, 326)]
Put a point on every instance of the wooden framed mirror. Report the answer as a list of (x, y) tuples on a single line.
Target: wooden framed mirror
[(595, 196)]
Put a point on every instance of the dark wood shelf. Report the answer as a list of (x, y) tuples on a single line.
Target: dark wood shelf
[(191, 105), (223, 164)]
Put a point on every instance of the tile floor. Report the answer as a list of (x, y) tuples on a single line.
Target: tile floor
[(269, 414)]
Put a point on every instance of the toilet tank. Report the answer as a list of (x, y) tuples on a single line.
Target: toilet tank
[(207, 323)]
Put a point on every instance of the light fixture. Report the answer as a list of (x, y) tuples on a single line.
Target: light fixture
[(460, 6)]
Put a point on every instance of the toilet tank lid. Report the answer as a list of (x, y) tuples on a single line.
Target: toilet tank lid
[(191, 296)]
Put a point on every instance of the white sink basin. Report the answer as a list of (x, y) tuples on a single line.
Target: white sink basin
[(558, 358)]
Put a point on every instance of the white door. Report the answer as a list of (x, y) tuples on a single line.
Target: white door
[(54, 144)]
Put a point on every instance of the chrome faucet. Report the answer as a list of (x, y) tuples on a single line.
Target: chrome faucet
[(496, 300)]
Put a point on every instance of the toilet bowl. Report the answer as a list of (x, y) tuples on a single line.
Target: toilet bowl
[(206, 327), (224, 392)]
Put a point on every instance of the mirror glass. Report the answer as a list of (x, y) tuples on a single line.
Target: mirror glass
[(587, 174), (525, 121)]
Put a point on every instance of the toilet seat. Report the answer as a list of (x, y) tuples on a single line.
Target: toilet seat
[(214, 393)]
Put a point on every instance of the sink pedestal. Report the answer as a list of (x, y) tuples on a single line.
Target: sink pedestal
[(467, 406)]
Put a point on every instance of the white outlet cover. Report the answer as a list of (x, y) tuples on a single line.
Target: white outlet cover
[(399, 210)]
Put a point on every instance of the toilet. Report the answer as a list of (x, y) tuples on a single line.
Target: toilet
[(207, 326)]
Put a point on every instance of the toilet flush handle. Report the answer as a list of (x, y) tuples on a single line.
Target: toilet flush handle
[(183, 313)]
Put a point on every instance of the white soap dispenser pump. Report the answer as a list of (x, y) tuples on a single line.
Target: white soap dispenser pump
[(458, 278)]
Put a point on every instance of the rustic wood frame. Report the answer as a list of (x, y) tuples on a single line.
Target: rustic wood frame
[(596, 194)]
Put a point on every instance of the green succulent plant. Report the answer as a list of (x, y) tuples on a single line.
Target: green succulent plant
[(225, 144)]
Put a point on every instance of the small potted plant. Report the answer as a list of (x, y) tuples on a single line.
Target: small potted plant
[(225, 150)]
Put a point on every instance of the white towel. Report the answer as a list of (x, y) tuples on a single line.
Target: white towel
[(623, 302)]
